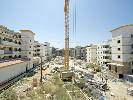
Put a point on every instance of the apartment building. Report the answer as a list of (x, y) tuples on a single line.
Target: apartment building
[(72, 52), (27, 37), (10, 43), (60, 52), (92, 54), (39, 50), (122, 50), (47, 50), (83, 53), (78, 52), (43, 50), (104, 53)]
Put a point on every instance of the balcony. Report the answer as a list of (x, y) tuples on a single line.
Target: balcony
[(8, 52), (9, 43), (1, 52)]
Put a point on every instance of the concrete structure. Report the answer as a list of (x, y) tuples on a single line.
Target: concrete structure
[(122, 50), (27, 47), (9, 70), (39, 50), (78, 52), (83, 53), (10, 43), (72, 52), (92, 54), (104, 53), (47, 51), (60, 52), (53, 52), (43, 50)]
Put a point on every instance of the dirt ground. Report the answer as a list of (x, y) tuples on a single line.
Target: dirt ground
[(117, 89)]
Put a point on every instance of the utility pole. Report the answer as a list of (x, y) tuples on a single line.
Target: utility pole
[(41, 70)]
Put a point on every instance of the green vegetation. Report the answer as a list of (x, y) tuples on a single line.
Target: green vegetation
[(81, 84), (54, 89), (8, 94)]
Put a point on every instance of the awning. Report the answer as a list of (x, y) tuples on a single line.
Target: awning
[(116, 64)]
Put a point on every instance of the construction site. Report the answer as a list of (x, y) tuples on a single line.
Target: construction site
[(80, 73)]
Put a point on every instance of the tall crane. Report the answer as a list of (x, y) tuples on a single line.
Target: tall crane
[(66, 74), (66, 50)]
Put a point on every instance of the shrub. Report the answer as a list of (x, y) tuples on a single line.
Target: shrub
[(8, 94)]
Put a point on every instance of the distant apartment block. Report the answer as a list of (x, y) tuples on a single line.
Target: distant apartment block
[(104, 53), (39, 50), (92, 54), (78, 52), (10, 43), (42, 50), (122, 50)]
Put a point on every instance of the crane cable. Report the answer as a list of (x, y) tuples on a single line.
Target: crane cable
[(74, 19), (74, 24)]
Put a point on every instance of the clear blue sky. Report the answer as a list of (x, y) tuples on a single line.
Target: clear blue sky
[(95, 18)]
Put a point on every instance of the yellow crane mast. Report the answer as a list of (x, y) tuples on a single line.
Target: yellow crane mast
[(66, 74), (66, 50)]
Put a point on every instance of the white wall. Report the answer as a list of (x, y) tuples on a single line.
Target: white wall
[(11, 71), (91, 54)]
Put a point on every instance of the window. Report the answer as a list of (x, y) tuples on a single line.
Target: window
[(38, 49), (19, 49), (30, 40), (131, 36), (19, 36), (38, 45), (15, 49), (29, 52), (116, 69), (19, 56), (118, 41), (119, 49), (119, 56), (19, 43), (30, 46), (10, 49)]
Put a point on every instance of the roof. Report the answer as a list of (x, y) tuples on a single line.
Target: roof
[(121, 27), (26, 31), (115, 64)]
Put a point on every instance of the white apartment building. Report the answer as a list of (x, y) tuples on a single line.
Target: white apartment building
[(92, 54), (10, 43), (104, 53), (27, 46), (47, 50), (122, 50), (42, 50)]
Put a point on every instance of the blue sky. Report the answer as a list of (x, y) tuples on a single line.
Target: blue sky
[(95, 18)]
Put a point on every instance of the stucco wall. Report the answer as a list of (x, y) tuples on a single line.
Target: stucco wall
[(10, 71)]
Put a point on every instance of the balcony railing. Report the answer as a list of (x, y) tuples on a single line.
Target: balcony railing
[(8, 52), (8, 43), (1, 51)]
